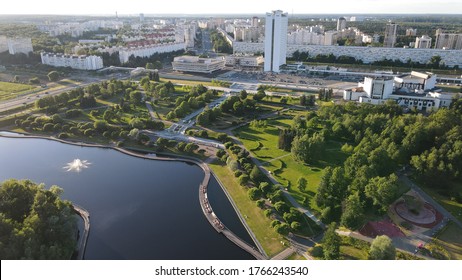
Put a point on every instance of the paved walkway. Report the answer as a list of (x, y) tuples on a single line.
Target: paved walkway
[(82, 243), (284, 254)]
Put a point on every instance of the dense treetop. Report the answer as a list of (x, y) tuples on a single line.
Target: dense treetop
[(35, 223)]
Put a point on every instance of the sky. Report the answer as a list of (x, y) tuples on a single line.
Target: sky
[(99, 7)]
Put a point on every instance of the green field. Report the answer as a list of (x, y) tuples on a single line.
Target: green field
[(11, 90), (263, 145), (254, 216)]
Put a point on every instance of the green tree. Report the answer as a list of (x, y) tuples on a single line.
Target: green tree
[(353, 213), (35, 223), (254, 193), (53, 76), (135, 97), (100, 126), (331, 243), (302, 183), (243, 179), (243, 94), (382, 249), (150, 65), (260, 203), (383, 191), (307, 149), (256, 175), (34, 81), (282, 229)]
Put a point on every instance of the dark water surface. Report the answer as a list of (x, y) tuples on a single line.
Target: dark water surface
[(139, 208)]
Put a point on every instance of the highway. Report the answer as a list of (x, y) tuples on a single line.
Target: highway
[(27, 99)]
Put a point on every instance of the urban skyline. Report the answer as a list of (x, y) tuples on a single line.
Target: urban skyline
[(238, 6)]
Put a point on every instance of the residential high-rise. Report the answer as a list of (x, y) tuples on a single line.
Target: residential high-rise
[(424, 42), (389, 40), (448, 41), (275, 40), (341, 24), (19, 45), (255, 22)]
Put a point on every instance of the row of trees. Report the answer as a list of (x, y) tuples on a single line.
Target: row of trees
[(197, 97), (219, 43), (268, 197)]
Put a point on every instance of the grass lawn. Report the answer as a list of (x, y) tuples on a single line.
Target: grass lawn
[(263, 145), (353, 249), (451, 240), (11, 90), (258, 223), (187, 82), (348, 252)]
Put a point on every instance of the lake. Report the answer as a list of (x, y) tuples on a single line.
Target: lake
[(139, 208)]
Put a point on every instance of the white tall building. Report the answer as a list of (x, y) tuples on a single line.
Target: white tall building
[(424, 42), (275, 40)]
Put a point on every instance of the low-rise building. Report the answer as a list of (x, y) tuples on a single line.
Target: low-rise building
[(196, 64), (244, 60), (81, 62), (415, 91), (424, 42)]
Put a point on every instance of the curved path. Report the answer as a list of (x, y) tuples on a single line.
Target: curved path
[(206, 208), (82, 244)]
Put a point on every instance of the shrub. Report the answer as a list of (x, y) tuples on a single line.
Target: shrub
[(63, 135), (237, 173), (220, 153), (244, 179), (73, 113), (254, 193), (233, 165), (48, 127), (260, 203), (317, 251), (275, 223)]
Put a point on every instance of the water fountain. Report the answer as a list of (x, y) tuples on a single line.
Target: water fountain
[(77, 165)]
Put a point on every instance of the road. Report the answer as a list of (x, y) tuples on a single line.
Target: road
[(31, 98)]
